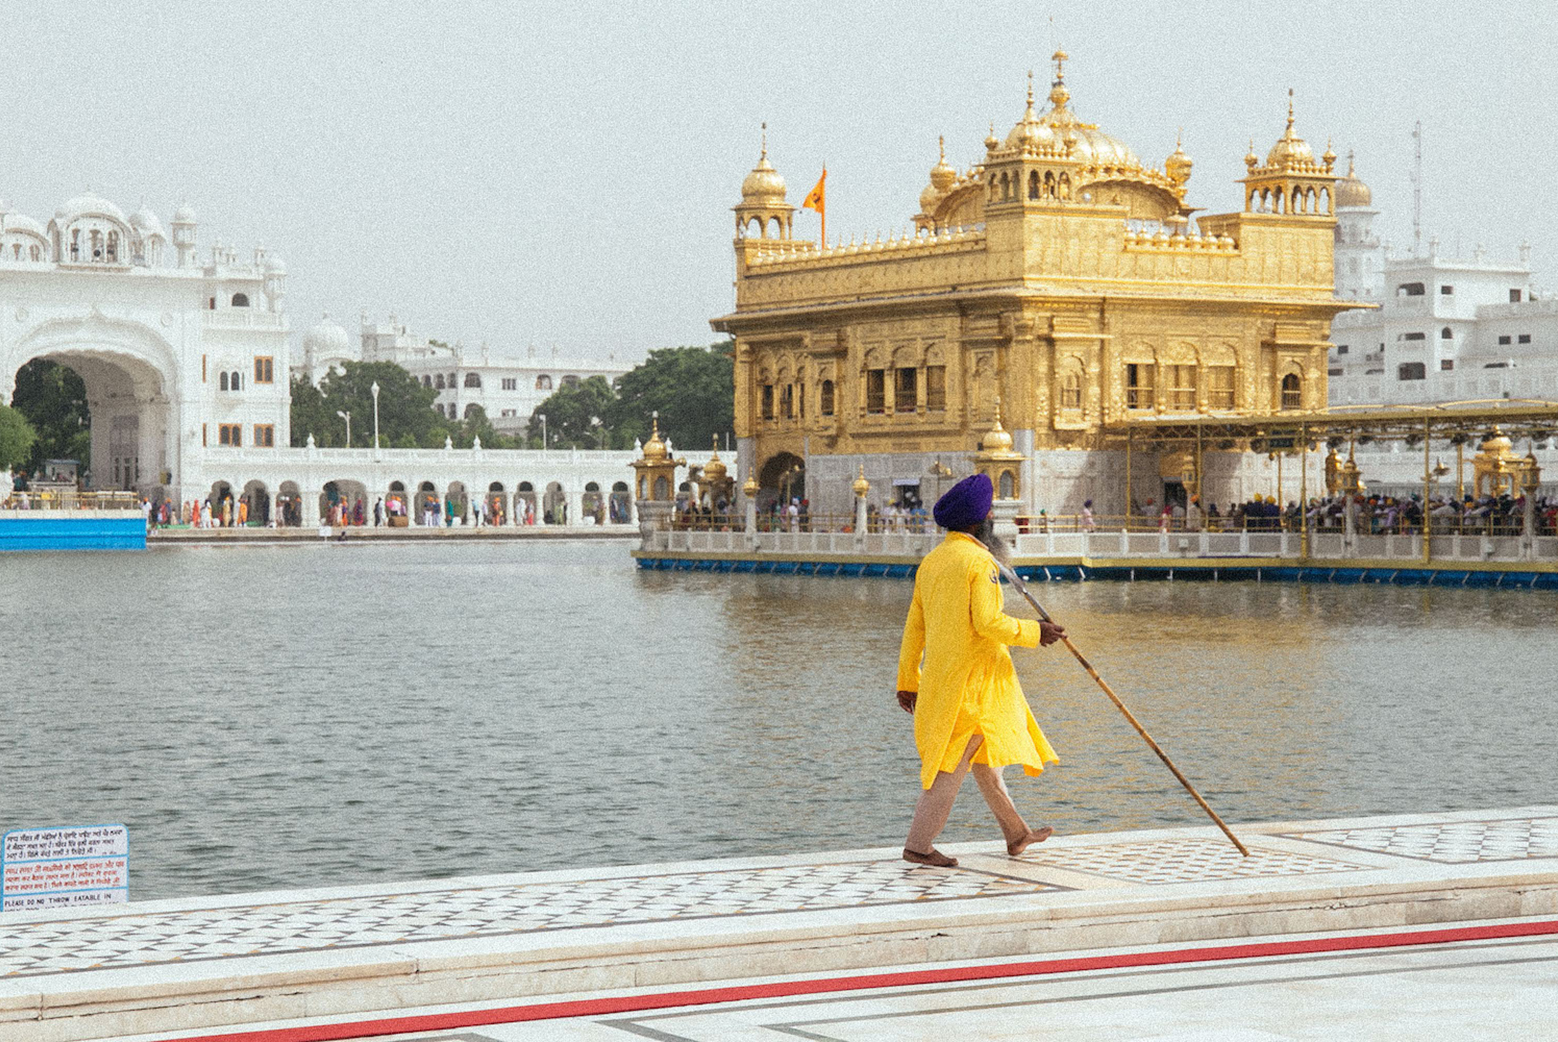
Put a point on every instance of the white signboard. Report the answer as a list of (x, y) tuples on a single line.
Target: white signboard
[(51, 868)]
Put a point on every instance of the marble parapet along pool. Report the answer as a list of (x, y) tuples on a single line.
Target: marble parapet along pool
[(1470, 559), (458, 953), (72, 530)]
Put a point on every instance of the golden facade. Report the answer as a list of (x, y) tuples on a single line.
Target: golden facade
[(1059, 275)]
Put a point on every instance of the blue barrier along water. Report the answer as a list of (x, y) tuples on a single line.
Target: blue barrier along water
[(71, 530)]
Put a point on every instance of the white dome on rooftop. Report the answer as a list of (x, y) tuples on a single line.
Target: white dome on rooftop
[(326, 339), (184, 215), (87, 204), (20, 222), (146, 222)]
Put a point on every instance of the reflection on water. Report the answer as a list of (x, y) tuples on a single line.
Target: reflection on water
[(303, 716)]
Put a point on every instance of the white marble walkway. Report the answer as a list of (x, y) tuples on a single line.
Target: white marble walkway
[(336, 963)]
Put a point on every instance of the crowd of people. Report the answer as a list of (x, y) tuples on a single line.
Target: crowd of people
[(1376, 515), (796, 515)]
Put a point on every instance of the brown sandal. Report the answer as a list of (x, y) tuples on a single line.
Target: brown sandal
[(1038, 835), (936, 859)]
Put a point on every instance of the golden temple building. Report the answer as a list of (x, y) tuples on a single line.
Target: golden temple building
[(1061, 277)]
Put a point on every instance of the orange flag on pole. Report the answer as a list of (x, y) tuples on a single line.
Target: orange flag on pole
[(817, 200)]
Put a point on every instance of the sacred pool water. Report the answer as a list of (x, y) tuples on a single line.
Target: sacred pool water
[(329, 714)]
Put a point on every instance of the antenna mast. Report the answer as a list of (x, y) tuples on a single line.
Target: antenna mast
[(1417, 189)]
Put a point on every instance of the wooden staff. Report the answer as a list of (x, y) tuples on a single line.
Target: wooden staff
[(1022, 588)]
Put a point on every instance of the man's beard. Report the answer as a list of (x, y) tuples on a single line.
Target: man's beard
[(998, 547)]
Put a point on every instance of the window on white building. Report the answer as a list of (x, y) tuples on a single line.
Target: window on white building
[(1411, 371), (1503, 340), (473, 379), (240, 300), (1446, 364), (1412, 336), (1446, 291), (1514, 296), (1446, 334), (1523, 338), (1409, 289), (543, 382), (510, 383)]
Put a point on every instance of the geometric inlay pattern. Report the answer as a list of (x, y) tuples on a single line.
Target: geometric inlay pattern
[(1454, 842), (1182, 861), (63, 946)]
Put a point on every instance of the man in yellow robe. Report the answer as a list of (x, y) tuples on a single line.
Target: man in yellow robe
[(969, 710)]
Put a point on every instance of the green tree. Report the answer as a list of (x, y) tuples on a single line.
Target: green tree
[(53, 399), (577, 416), (405, 407), (692, 388), (16, 439), (474, 425)]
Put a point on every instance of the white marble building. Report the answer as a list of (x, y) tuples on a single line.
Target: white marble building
[(1445, 329), (179, 358), (508, 388), (186, 367)]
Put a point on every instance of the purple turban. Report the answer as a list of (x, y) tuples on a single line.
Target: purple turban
[(966, 504)]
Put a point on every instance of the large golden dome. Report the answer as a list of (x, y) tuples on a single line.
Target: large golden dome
[(1059, 128), (1350, 191)]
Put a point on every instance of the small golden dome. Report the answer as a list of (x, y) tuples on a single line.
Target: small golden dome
[(654, 448), (996, 439), (1498, 445), (1251, 160), (1290, 150), (763, 184), (715, 469), (1350, 191), (992, 142), (942, 174), (1178, 165), (860, 486), (750, 487)]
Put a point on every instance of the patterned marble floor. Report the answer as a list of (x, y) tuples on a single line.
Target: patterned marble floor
[(32, 949), (1183, 861), (1452, 843), (129, 939)]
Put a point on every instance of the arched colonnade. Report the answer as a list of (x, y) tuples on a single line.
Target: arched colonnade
[(344, 501)]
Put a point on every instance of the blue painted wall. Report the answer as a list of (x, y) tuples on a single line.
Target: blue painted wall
[(89, 531)]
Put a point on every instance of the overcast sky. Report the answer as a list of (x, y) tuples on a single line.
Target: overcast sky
[(529, 172)]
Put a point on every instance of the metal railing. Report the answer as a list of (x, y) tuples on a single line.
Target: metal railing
[(70, 499)]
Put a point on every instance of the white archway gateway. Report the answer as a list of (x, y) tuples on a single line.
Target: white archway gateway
[(132, 381)]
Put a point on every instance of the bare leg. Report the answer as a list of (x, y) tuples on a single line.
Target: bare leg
[(1018, 835), (935, 803)]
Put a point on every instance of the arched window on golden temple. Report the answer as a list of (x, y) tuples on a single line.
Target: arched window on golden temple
[(827, 398), (1292, 392), (1071, 392)]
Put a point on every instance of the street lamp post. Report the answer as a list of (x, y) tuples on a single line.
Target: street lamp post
[(347, 416), (543, 428), (375, 390)]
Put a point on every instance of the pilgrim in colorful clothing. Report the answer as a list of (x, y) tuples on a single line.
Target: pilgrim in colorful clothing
[(956, 676)]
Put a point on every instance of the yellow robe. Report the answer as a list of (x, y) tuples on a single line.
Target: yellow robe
[(968, 685)]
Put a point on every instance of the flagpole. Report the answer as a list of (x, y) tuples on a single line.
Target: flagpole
[(823, 213)]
